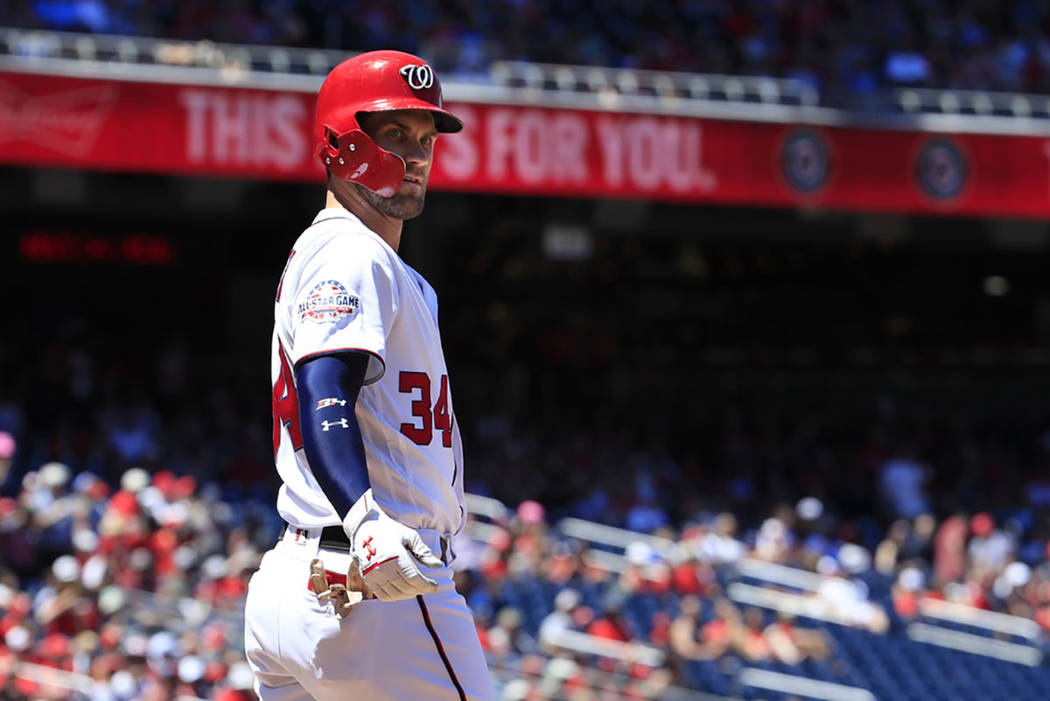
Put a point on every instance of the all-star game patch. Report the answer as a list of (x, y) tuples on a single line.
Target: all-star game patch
[(328, 301)]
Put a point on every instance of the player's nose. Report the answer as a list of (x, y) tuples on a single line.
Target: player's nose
[(416, 154)]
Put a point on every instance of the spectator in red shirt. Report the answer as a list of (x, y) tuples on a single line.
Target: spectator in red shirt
[(750, 643), (684, 636), (611, 625)]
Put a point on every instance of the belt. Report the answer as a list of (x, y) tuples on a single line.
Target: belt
[(334, 538)]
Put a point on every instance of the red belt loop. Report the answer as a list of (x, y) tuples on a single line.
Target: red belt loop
[(333, 578)]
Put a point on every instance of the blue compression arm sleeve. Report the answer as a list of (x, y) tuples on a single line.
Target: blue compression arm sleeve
[(328, 388)]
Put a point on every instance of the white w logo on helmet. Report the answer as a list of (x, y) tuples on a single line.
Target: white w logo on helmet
[(419, 77)]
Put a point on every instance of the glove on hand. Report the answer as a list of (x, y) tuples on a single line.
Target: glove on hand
[(387, 551)]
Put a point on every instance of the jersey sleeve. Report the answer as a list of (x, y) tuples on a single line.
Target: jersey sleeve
[(345, 300)]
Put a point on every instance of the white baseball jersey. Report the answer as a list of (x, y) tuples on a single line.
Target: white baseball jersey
[(343, 288)]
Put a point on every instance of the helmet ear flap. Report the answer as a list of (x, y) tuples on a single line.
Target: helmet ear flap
[(355, 157)]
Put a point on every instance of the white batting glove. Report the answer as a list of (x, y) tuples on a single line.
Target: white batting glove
[(387, 551)]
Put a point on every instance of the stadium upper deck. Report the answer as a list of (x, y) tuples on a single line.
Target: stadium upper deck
[(890, 57)]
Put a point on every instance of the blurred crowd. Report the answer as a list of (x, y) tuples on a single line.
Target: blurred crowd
[(135, 591), (138, 585), (676, 598), (846, 49), (136, 493), (133, 506)]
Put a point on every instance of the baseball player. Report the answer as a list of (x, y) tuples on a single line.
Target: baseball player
[(356, 600)]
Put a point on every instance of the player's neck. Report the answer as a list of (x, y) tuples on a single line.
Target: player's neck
[(388, 228)]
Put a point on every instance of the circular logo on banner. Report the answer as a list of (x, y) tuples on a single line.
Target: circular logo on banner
[(941, 169), (804, 161), (419, 77), (328, 301)]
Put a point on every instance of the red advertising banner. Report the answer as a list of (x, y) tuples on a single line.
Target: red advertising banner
[(197, 130)]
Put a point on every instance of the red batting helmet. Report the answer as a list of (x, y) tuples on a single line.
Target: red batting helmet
[(377, 81)]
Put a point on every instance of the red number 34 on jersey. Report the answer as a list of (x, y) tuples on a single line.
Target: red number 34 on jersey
[(423, 432), (286, 408)]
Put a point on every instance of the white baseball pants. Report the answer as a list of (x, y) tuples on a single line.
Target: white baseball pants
[(421, 648)]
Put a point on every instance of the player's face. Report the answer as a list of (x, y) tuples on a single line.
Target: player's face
[(410, 134)]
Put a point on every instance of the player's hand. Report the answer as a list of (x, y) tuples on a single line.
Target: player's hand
[(388, 552)]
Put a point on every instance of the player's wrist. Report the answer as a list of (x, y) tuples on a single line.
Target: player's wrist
[(363, 508)]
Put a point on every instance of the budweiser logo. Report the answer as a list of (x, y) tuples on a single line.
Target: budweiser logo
[(68, 122)]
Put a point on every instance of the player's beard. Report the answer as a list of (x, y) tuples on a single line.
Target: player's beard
[(402, 205)]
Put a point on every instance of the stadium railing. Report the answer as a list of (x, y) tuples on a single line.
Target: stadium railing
[(778, 574), (603, 684), (666, 85), (978, 618), (812, 606), (801, 686), (973, 102), (986, 630), (975, 644), (613, 649)]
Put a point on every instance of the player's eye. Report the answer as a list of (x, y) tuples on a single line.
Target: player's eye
[(393, 133)]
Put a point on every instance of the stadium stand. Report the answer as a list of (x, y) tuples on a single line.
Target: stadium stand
[(846, 50), (144, 602)]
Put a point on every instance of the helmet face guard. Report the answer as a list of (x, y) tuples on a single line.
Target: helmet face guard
[(377, 81)]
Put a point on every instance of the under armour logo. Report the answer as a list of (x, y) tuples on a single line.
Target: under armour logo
[(331, 401), (369, 550), (419, 77), (341, 422)]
